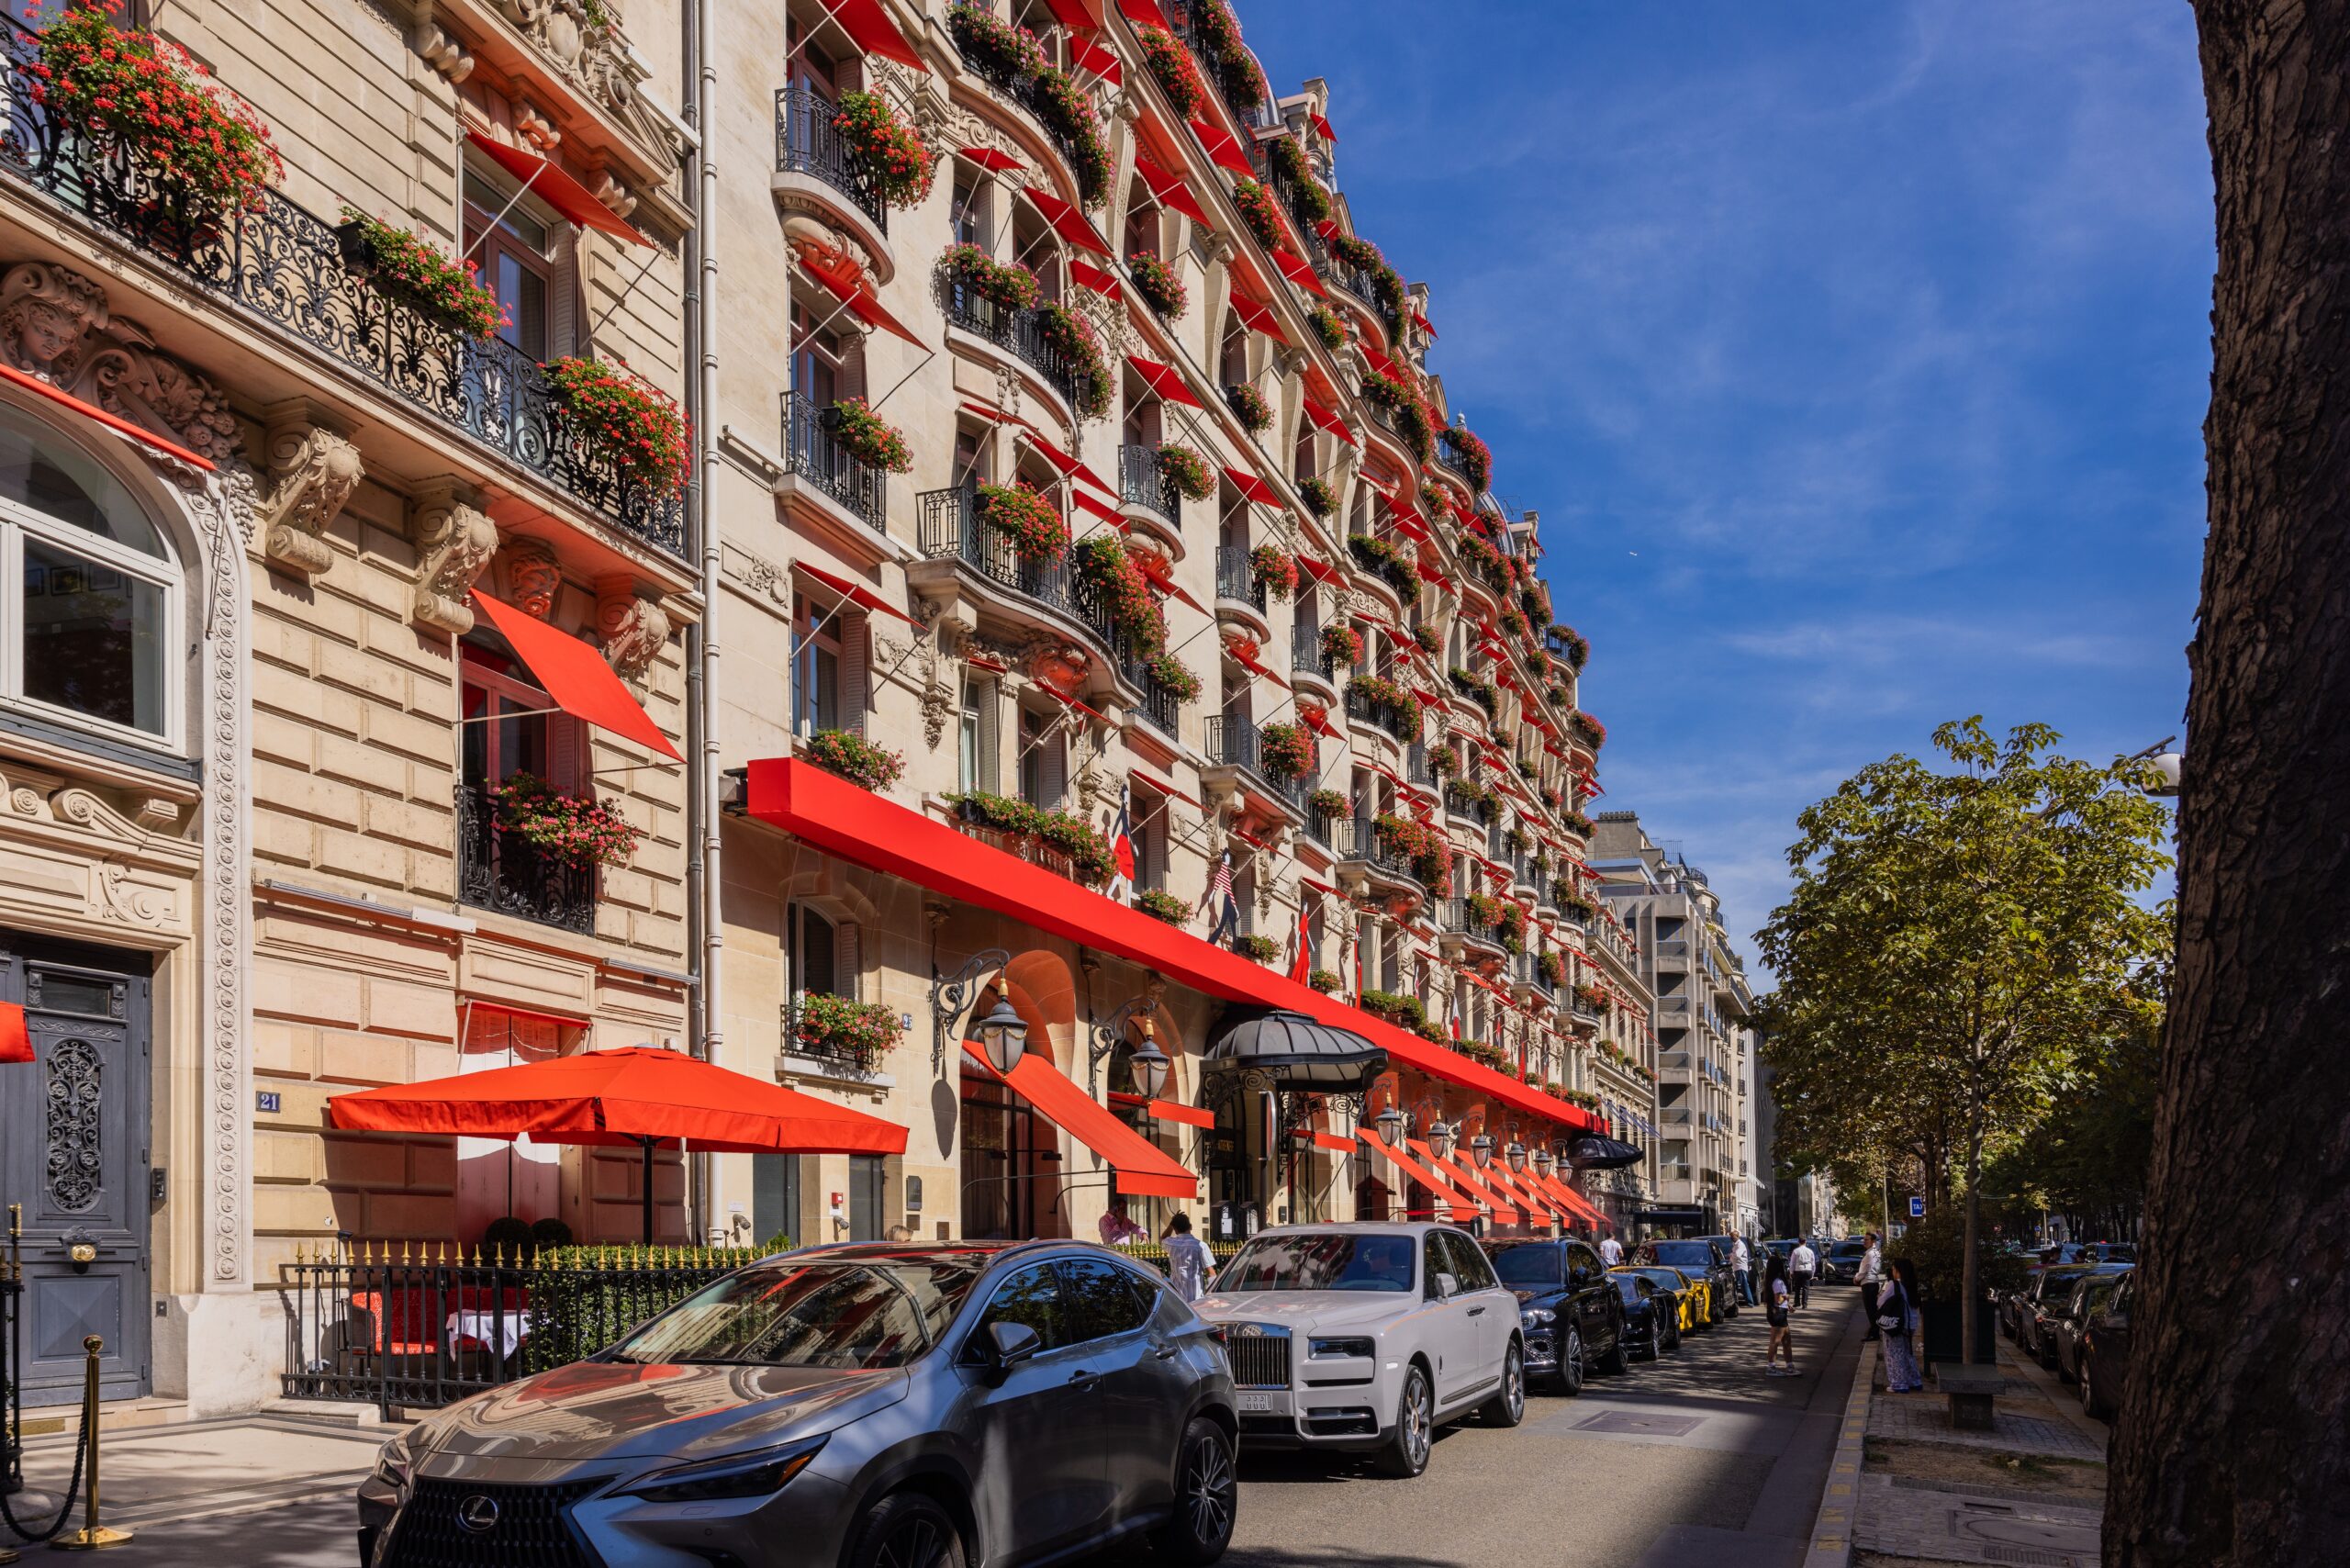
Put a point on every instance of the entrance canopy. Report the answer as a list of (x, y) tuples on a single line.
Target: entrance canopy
[(1597, 1153), (1142, 1168), (1297, 1052)]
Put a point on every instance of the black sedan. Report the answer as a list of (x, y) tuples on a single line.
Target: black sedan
[(2060, 1347), (1652, 1315), (1570, 1314), (2102, 1359), (2044, 1299), (1698, 1257)]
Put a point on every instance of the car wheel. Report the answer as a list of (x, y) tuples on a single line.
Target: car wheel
[(1571, 1367), (1507, 1409), (906, 1529), (1207, 1495), (1672, 1331), (1406, 1453), (1616, 1362), (2090, 1401)]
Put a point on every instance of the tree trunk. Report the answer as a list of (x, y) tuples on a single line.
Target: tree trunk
[(2234, 1441), (1970, 1273)]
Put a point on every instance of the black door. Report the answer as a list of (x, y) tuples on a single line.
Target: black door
[(73, 1130)]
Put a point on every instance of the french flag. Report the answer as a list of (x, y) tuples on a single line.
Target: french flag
[(1122, 847)]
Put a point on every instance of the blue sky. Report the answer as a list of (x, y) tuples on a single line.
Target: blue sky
[(1854, 355)]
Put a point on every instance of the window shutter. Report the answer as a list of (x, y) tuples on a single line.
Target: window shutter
[(845, 973), (991, 707), (851, 373), (853, 662), (569, 762), (1052, 770), (565, 334)]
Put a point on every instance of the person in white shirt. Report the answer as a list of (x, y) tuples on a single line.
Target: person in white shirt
[(1870, 1276), (1611, 1251), (1800, 1263), (1190, 1267), (1741, 1263)]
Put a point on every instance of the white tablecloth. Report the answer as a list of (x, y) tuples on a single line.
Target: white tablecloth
[(502, 1331)]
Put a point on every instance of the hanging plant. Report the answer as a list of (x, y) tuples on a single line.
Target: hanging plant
[(413, 271), (1025, 516), (1163, 906), (1178, 75), (1007, 283), (1187, 471), (1577, 823), (865, 1032), (1590, 731), (1385, 559), (1485, 694), (1513, 622), (1404, 406), (1070, 335), (1329, 803), (1244, 81), (1571, 641), (870, 439), (1478, 552), (1379, 689), (1484, 910), (563, 828), (1443, 761), (852, 756), (1326, 981), (1087, 847), (636, 427), (1341, 644), (1264, 949), (891, 153), (1248, 405), (1535, 599), (1289, 161), (1123, 591), (1257, 212), (1470, 455), (1553, 970), (992, 44), (1357, 252), (1174, 676), (1328, 327), (1159, 288), (1593, 997), (1319, 498), (1425, 639), (1067, 112), (1287, 751), (1276, 568)]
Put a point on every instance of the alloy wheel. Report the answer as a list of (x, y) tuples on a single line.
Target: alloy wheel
[(917, 1543), (1208, 1488), (1514, 1384), (1571, 1366), (1417, 1419)]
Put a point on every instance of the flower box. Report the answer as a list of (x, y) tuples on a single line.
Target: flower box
[(1341, 644), (852, 756), (1329, 803), (1178, 74), (1025, 517), (405, 267), (1319, 498), (1259, 213), (1174, 676), (1187, 471), (1287, 751), (1472, 456), (567, 829), (1160, 289), (1326, 981), (1163, 906), (860, 1033), (1249, 407), (890, 152), (636, 427), (1276, 568), (1006, 284), (992, 44), (1264, 949), (1588, 730), (1067, 113), (1328, 327), (1124, 591), (1071, 336), (868, 437)]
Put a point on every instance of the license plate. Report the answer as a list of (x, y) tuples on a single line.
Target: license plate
[(1257, 1403)]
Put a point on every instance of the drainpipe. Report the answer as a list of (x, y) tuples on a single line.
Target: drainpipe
[(703, 819)]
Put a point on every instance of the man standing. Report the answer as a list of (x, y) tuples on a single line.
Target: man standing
[(1611, 1251), (1800, 1263), (1742, 1265), (1869, 1276)]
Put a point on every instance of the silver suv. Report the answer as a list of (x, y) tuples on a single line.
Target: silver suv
[(1367, 1337), (919, 1405)]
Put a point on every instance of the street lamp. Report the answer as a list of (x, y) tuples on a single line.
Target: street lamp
[(1150, 1065), (1390, 1127), (950, 995), (1003, 1034), (1440, 1140), (1515, 1155), (1482, 1147), (1543, 1163)]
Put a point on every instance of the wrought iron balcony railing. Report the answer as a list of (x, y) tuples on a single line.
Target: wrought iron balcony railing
[(497, 870), (1460, 918), (1356, 839), (845, 1061), (951, 530), (1159, 703), (1236, 579), (1306, 654), (814, 452), (1143, 481), (1384, 715), (1017, 332), (806, 143), (1236, 742)]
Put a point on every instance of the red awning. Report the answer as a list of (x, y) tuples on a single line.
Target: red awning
[(1164, 380), (860, 826), (1413, 1169), (58, 395), (1256, 318), (557, 189), (850, 285), (1097, 280), (1336, 1143), (1319, 572), (1190, 1115), (1146, 12), (1086, 502), (1574, 1201), (1068, 222), (1170, 191), (1253, 487), (1088, 55), (1379, 361), (1327, 418), (1318, 721), (1423, 322), (1222, 152), (856, 593), (1294, 268), (1515, 1182), (16, 1041), (1143, 1169), (870, 29), (1460, 1177), (575, 676), (1250, 663), (1069, 467), (988, 158)]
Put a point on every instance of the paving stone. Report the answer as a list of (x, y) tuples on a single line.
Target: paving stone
[(1924, 1418), (1948, 1527)]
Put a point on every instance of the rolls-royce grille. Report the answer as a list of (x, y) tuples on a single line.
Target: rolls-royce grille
[(1260, 1356), (470, 1524)]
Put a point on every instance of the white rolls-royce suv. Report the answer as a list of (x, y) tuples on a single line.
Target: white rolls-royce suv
[(1366, 1337)]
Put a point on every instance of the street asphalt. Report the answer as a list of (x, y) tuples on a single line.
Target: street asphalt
[(1658, 1468)]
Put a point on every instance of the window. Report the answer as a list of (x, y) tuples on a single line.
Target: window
[(1031, 1297), (1436, 1260), (868, 1184), (1098, 1300), (969, 212), (775, 1197), (1469, 1265), (1149, 818), (814, 950), (97, 600), (828, 668), (513, 249), (1232, 362), (507, 729), (972, 464), (826, 365), (1043, 763)]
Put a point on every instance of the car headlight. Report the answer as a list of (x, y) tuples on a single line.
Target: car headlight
[(1534, 1316), (396, 1463), (1364, 1348), (738, 1475)]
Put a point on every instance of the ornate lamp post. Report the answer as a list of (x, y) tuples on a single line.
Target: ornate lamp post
[(1003, 1034), (951, 996)]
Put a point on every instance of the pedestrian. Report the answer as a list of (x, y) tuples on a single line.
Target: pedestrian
[(898, 1233), (1741, 1263), (1190, 1268), (1897, 1318), (1776, 1295), (1800, 1263), (1611, 1251), (1117, 1229), (1870, 1277)]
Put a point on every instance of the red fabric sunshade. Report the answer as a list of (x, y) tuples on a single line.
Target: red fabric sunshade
[(1459, 1175), (1086, 502), (840, 818), (870, 29), (16, 1041), (857, 593), (1327, 418), (576, 679), (1516, 1184), (1146, 12), (1324, 127), (1256, 318), (1088, 55), (116, 422), (1071, 14), (1143, 1170), (557, 189), (1319, 572), (1295, 268), (988, 158), (1068, 222), (1163, 380), (1170, 191), (1097, 280), (1070, 466), (1411, 1168), (1253, 487), (1222, 152), (850, 285), (1254, 666), (1336, 1143), (1423, 323), (620, 1097), (1318, 721), (1190, 1115), (1573, 1201)]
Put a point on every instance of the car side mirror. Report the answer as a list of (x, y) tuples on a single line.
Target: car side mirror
[(1008, 1344), (1446, 1287)]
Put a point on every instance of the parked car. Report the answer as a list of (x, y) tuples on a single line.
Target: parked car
[(2102, 1359), (1367, 1338), (1570, 1311), (1689, 1296), (868, 1404), (1651, 1314), (2036, 1318), (1841, 1264), (2060, 1348), (1697, 1258)]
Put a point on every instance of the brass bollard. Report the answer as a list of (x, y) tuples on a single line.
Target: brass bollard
[(93, 1535)]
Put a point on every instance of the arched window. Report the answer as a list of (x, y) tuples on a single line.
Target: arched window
[(93, 597)]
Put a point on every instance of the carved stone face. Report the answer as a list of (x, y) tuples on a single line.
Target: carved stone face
[(45, 312), (533, 579)]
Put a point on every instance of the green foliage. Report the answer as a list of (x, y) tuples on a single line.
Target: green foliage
[(1936, 1247)]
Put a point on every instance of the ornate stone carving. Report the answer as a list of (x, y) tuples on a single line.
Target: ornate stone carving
[(585, 43), (440, 52), (54, 324), (634, 631), (127, 902), (532, 577), (453, 541), (1053, 662), (312, 471), (535, 129)]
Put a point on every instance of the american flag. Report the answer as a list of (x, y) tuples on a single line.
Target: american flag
[(1227, 914)]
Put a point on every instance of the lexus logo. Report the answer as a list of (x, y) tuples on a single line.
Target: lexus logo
[(478, 1513)]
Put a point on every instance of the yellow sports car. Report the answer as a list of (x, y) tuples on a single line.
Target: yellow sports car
[(1694, 1296)]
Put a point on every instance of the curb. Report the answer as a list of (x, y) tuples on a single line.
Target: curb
[(1831, 1529)]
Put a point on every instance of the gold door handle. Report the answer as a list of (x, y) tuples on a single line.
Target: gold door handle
[(83, 1252)]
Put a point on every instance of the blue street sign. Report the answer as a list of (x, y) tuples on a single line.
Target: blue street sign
[(1917, 1208)]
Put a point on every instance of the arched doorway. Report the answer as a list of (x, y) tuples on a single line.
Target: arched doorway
[(1013, 1175)]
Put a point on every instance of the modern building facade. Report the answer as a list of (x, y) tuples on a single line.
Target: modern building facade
[(413, 673)]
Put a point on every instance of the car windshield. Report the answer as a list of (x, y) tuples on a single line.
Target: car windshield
[(850, 1315), (1683, 1254), (1535, 1267), (1628, 1287), (1320, 1262)]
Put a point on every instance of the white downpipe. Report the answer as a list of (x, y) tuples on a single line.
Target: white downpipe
[(706, 783)]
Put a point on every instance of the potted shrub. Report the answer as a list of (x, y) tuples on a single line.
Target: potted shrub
[(1576, 822), (1258, 212), (1588, 730), (1087, 848), (1178, 75), (1328, 327), (827, 1026), (1287, 751), (1248, 405), (634, 426), (1577, 649), (406, 268), (1443, 761), (891, 153), (1404, 406), (1003, 814), (566, 829), (1006, 284), (853, 758), (1326, 981), (1124, 593), (1159, 288), (1071, 336), (1174, 676), (1276, 568), (1187, 471), (1470, 455), (1264, 949), (1341, 644), (1403, 1012), (1327, 802), (992, 44), (1936, 1247), (1319, 498), (1067, 113), (1162, 906), (868, 437), (1023, 515)]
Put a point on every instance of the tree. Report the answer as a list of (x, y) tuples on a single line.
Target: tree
[(1951, 939), (2234, 1439)]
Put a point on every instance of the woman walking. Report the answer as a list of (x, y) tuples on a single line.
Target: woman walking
[(1896, 1316), (1776, 1293)]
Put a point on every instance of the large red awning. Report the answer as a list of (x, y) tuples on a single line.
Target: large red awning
[(1327, 418), (856, 593), (1222, 152), (1069, 467), (862, 827), (1088, 55), (870, 29), (1164, 380), (991, 159), (1460, 1177), (1295, 268), (1253, 487), (1169, 190), (1515, 1181), (850, 285), (1174, 1110), (1256, 318), (1324, 127), (1574, 1201), (1094, 278), (557, 189), (575, 676), (1143, 1169), (1445, 1195), (1379, 361), (1068, 222), (1146, 12)]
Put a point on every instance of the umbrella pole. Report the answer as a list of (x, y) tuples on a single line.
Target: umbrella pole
[(648, 1190)]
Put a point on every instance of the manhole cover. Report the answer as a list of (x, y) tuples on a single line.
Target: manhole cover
[(2018, 1536), (1631, 1422)]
